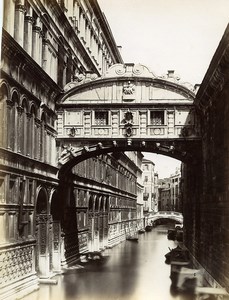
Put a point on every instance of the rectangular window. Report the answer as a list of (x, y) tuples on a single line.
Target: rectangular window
[(101, 118), (157, 117), (12, 185)]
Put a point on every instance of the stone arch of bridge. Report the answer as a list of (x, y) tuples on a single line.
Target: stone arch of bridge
[(168, 218), (72, 156), (127, 109)]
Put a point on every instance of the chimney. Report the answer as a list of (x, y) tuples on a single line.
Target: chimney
[(170, 73), (120, 49), (196, 87)]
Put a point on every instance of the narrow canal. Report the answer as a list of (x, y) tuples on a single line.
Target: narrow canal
[(133, 271)]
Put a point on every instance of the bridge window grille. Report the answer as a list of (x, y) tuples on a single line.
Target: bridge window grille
[(101, 118), (157, 118)]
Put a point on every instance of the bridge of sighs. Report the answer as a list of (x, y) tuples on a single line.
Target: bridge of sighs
[(129, 109)]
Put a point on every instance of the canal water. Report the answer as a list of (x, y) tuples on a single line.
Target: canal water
[(132, 271)]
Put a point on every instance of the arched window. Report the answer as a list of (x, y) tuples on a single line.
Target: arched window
[(12, 132), (97, 203), (106, 203), (42, 202), (32, 132), (102, 203), (90, 204), (23, 139), (55, 207), (3, 116)]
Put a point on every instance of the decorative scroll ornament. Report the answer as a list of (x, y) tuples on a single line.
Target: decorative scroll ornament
[(138, 69), (129, 70), (120, 69)]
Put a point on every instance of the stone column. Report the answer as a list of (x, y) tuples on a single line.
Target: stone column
[(37, 138), (19, 129), (42, 223), (9, 13), (36, 41), (28, 133), (82, 26), (88, 35), (56, 256), (45, 55), (28, 29), (76, 10), (19, 23)]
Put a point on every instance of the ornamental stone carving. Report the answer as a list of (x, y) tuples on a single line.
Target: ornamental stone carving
[(128, 89), (129, 70)]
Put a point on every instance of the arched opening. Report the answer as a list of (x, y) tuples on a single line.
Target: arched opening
[(3, 116), (23, 127), (42, 203), (135, 112), (90, 204), (12, 136)]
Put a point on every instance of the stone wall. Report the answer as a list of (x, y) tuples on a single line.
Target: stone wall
[(207, 208)]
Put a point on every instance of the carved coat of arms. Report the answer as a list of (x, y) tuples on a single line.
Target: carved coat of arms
[(128, 91)]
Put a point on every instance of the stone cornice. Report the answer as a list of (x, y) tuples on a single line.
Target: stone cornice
[(16, 53), (117, 74), (30, 163)]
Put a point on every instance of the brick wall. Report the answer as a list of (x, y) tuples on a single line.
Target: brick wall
[(206, 185)]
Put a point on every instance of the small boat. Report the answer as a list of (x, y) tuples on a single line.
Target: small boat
[(177, 254), (132, 238), (171, 234), (141, 231), (148, 227), (179, 235)]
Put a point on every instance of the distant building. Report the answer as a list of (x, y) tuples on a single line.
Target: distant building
[(164, 202), (175, 181), (150, 184), (169, 192)]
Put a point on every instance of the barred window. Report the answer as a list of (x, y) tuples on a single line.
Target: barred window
[(101, 117), (157, 118)]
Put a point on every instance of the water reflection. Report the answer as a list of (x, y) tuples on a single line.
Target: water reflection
[(133, 271)]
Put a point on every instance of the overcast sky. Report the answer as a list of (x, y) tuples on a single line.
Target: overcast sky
[(180, 35)]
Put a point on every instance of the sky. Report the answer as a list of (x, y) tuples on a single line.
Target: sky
[(164, 166), (180, 35)]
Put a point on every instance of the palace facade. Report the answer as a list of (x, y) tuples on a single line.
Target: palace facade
[(45, 46)]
